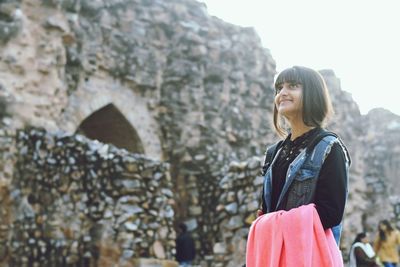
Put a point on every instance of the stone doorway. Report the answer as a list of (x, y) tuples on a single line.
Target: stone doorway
[(109, 125)]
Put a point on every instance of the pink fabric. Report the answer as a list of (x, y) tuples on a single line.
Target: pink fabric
[(293, 238)]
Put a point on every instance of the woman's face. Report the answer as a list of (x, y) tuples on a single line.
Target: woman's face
[(382, 227), (288, 100)]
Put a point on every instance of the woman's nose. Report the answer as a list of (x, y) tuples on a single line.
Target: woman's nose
[(283, 90)]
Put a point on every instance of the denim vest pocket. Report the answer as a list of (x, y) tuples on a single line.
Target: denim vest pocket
[(302, 189)]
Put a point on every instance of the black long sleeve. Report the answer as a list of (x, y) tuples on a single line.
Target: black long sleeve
[(331, 191)]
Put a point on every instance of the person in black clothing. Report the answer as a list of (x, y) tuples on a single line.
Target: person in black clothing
[(185, 248), (362, 254)]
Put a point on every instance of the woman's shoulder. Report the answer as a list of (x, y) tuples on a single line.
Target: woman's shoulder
[(321, 135), (325, 142), (357, 244), (337, 146), (396, 232)]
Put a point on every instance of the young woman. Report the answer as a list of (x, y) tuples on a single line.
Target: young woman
[(305, 180), (386, 244), (310, 165), (362, 254)]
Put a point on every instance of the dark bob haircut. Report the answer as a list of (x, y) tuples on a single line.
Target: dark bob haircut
[(359, 237), (317, 106)]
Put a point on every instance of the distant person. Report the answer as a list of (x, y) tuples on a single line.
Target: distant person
[(362, 254), (185, 249), (386, 244)]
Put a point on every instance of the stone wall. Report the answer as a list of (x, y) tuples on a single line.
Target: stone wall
[(195, 92), (382, 158), (238, 203), (80, 202)]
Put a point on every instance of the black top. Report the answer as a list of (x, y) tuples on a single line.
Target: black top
[(362, 259), (331, 190), (185, 248)]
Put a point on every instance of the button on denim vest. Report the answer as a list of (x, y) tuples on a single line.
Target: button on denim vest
[(301, 179)]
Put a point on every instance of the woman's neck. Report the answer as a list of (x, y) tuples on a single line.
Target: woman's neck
[(299, 129)]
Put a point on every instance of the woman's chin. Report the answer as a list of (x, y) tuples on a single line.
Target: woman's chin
[(284, 111)]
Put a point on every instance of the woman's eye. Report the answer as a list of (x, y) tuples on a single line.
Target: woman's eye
[(278, 89), (293, 85)]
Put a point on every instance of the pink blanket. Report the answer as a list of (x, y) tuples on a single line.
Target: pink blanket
[(293, 238)]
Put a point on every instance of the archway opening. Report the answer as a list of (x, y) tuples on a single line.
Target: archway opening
[(109, 125)]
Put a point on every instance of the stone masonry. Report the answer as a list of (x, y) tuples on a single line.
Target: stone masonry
[(186, 96), (80, 202)]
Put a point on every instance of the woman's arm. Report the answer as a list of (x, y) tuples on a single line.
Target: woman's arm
[(376, 244), (398, 237), (331, 191)]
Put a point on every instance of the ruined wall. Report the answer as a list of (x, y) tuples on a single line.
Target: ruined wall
[(372, 142), (80, 202), (196, 90), (237, 206), (382, 159), (179, 77)]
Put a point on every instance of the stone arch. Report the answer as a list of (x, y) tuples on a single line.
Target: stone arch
[(109, 125), (98, 93)]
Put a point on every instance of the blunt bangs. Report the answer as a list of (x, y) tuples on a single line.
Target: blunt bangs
[(290, 75)]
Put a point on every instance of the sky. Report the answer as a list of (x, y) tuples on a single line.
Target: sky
[(358, 40)]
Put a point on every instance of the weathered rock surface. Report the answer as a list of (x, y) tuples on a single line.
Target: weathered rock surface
[(164, 79), (77, 201)]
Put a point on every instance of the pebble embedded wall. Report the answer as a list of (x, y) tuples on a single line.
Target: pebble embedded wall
[(197, 90), (77, 201)]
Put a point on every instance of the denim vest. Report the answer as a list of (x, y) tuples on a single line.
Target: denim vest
[(301, 179)]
